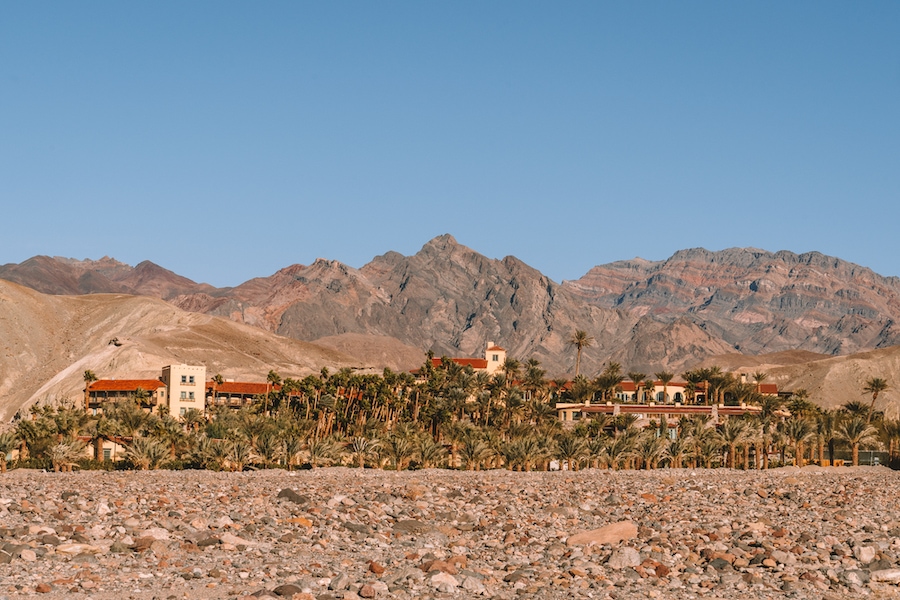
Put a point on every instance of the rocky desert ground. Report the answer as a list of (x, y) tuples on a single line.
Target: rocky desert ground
[(346, 533)]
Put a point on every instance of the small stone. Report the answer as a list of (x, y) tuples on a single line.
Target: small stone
[(74, 549), (624, 557), (444, 582), (375, 568), (865, 554), (28, 555), (43, 588), (292, 496), (473, 585), (287, 590), (339, 582), (887, 575), (367, 591), (412, 526)]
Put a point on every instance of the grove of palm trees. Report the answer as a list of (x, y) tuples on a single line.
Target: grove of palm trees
[(451, 416)]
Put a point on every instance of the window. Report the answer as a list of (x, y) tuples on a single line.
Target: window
[(183, 395), (191, 380), (184, 379), (191, 395), (182, 411), (107, 454), (495, 358)]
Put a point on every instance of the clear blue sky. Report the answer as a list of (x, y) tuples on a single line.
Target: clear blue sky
[(226, 140)]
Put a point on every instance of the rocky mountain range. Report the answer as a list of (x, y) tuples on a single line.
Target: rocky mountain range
[(671, 314), (756, 301)]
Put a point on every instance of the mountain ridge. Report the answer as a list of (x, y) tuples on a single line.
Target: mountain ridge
[(450, 299)]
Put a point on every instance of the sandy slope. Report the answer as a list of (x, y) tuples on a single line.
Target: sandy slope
[(47, 342)]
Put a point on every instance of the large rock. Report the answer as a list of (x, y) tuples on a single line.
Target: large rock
[(609, 534)]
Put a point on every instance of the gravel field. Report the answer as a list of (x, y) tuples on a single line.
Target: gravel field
[(824, 533)]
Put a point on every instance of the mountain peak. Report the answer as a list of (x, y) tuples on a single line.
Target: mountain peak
[(442, 242)]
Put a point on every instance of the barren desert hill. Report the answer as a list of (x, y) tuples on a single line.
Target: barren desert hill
[(47, 342), (670, 314), (835, 380)]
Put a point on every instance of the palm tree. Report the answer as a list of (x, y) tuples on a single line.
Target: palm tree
[(855, 408), (638, 378), (733, 434), (66, 454), (293, 446), (650, 448), (474, 452), (581, 340), (677, 450), (319, 451), (8, 443), (571, 449), (89, 378), (241, 454), (889, 431), (856, 432), (361, 448), (430, 453), (269, 448), (621, 447), (759, 377), (798, 430), (273, 379), (665, 378), (827, 423), (874, 386), (400, 448), (146, 453), (216, 380)]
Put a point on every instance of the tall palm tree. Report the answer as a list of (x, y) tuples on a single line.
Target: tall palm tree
[(856, 432), (827, 423), (759, 377), (889, 431), (665, 378), (733, 434), (638, 378), (581, 340), (874, 386), (273, 379)]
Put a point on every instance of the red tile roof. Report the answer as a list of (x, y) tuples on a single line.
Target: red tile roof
[(125, 385), (496, 348), (475, 363), (768, 388)]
